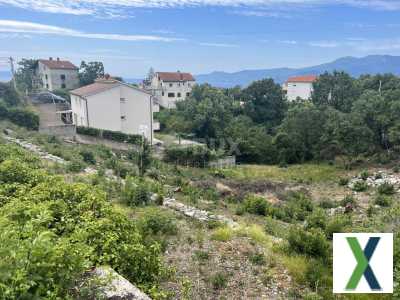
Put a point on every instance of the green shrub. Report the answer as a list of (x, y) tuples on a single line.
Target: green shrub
[(88, 131), (343, 181), (257, 259), (312, 243), (386, 189), (219, 280), (88, 157), (75, 166), (383, 201), (255, 205), (336, 225), (24, 118), (360, 186), (197, 156), (327, 204), (135, 193), (116, 136), (156, 222), (364, 175), (349, 199), (222, 234), (54, 231), (317, 219), (201, 255)]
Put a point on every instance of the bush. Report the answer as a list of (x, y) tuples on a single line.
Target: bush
[(386, 189), (336, 225), (196, 156), (54, 231), (383, 201), (222, 234), (88, 157), (343, 181), (257, 259), (135, 193), (219, 280), (24, 118), (327, 204), (364, 175), (157, 222), (75, 166), (255, 205), (317, 219), (116, 136), (312, 243), (360, 186), (349, 199)]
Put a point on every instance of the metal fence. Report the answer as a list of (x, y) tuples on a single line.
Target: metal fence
[(225, 162)]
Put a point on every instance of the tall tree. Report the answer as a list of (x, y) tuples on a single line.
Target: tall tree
[(25, 74), (337, 89), (89, 72), (264, 102)]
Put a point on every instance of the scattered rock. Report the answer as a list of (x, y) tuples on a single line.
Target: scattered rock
[(223, 189), (117, 287), (198, 214), (377, 179)]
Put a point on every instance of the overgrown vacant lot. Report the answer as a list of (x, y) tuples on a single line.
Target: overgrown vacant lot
[(280, 249)]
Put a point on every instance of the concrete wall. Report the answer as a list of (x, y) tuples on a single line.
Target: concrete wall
[(51, 78), (302, 90), (121, 108)]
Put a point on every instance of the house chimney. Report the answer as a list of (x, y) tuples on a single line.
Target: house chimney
[(50, 58)]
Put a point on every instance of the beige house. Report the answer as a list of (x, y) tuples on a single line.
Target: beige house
[(170, 87), (299, 87), (113, 105), (55, 74)]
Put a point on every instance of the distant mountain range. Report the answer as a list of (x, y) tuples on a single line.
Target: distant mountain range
[(372, 64)]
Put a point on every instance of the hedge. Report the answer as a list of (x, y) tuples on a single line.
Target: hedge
[(198, 156), (116, 136), (20, 116)]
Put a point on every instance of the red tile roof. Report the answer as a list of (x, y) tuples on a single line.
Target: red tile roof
[(94, 88), (58, 64), (305, 78), (175, 76)]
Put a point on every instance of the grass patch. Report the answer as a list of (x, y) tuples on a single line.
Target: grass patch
[(222, 234), (306, 173), (297, 267)]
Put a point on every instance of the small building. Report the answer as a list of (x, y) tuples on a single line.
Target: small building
[(113, 105), (54, 74), (299, 87), (170, 87)]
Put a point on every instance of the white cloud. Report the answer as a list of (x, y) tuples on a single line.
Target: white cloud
[(119, 8), (221, 45), (36, 28), (288, 42), (324, 44)]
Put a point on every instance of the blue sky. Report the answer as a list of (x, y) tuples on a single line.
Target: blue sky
[(198, 36)]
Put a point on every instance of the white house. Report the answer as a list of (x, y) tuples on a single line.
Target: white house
[(170, 87), (113, 105), (299, 87), (54, 74)]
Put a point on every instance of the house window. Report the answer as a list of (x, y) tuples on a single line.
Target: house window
[(123, 118), (63, 86), (171, 85), (179, 95), (163, 94), (47, 85), (171, 95), (187, 94), (122, 100), (62, 76), (46, 76)]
